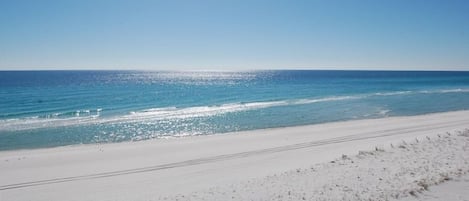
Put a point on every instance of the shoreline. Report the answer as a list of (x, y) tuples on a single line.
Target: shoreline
[(149, 169), (244, 132)]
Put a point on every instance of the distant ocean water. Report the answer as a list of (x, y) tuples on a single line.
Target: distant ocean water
[(56, 108)]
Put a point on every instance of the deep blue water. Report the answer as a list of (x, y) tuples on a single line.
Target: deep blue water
[(56, 108)]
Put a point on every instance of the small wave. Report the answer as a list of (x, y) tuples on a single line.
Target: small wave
[(35, 123), (88, 116), (338, 98), (153, 114), (76, 113), (445, 91), (203, 111), (50, 120), (384, 112), (199, 111), (392, 93), (439, 91)]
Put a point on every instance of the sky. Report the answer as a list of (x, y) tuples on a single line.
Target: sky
[(234, 34)]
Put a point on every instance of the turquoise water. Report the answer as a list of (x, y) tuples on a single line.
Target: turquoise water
[(56, 108)]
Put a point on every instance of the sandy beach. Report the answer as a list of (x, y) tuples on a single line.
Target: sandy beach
[(332, 161), (234, 100)]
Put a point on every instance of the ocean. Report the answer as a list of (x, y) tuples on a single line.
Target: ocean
[(56, 108)]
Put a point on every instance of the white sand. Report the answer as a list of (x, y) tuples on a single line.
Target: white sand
[(405, 171), (457, 189), (212, 167)]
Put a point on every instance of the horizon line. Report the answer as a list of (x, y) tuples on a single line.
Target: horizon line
[(240, 70)]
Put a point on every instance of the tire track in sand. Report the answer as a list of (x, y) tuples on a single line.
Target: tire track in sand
[(349, 138)]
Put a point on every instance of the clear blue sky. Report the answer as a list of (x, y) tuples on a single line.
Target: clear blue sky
[(347, 34)]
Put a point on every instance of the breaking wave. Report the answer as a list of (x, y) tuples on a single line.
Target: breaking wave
[(80, 117)]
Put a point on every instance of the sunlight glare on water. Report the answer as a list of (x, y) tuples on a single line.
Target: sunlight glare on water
[(54, 108)]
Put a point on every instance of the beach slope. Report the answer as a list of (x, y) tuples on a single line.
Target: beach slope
[(177, 168)]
